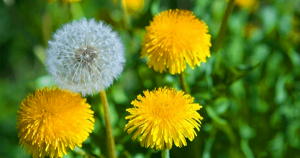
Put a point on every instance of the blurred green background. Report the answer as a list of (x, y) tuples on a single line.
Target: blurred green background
[(249, 89)]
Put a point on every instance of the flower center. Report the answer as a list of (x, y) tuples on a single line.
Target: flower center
[(85, 56), (162, 110)]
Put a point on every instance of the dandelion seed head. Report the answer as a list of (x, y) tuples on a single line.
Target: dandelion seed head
[(85, 56)]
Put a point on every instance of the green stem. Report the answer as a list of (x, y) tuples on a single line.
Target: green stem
[(127, 20), (219, 39), (165, 153), (183, 84), (82, 153), (109, 132), (69, 11)]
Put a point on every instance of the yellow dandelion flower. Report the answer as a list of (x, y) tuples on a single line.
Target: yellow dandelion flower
[(245, 3), (163, 116), (173, 38), (51, 121), (133, 6)]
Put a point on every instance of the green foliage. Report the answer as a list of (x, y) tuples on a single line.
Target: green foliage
[(249, 89)]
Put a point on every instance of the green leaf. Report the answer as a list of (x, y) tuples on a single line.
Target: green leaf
[(269, 18), (238, 73), (246, 132), (76, 11), (212, 114), (119, 95), (44, 81), (155, 7), (221, 105), (280, 92), (246, 148)]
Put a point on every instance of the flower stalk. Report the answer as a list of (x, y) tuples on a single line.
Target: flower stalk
[(219, 39), (165, 153), (108, 128), (183, 84)]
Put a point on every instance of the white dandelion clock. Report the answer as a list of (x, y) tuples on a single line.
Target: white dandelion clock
[(85, 56)]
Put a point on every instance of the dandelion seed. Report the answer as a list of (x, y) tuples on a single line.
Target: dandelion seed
[(173, 38), (51, 121), (85, 56), (163, 116)]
